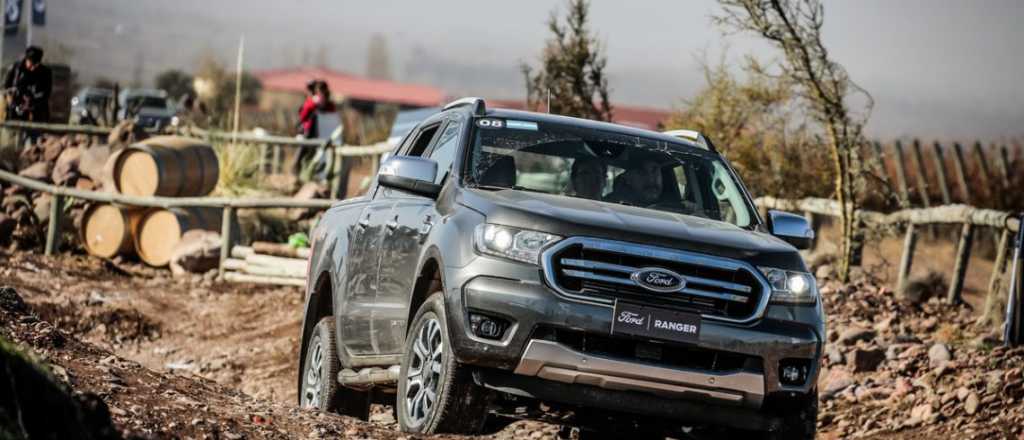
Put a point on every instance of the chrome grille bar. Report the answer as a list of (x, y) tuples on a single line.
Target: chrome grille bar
[(600, 265), (629, 282)]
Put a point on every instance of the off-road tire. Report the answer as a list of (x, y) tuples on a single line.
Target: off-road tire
[(332, 396), (799, 419), (460, 406)]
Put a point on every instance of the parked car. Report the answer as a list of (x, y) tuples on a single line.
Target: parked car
[(89, 104), (150, 108), (622, 277)]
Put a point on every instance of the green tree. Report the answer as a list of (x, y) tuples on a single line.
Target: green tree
[(571, 76), (176, 82)]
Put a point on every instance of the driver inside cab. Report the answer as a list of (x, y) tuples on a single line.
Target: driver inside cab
[(643, 185)]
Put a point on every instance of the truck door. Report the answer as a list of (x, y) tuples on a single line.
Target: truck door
[(412, 219), (361, 265)]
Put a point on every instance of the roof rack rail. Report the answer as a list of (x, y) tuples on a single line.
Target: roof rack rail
[(479, 106), (693, 136)]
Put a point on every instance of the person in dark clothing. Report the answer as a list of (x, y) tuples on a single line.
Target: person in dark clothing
[(28, 85), (318, 100)]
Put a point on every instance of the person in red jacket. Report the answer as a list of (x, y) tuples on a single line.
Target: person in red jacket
[(318, 100)]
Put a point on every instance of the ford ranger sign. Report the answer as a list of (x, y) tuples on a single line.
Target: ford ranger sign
[(659, 280), (653, 322)]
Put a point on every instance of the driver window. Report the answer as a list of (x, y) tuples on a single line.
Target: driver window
[(423, 140)]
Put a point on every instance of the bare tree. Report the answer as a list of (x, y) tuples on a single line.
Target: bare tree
[(571, 76), (794, 27)]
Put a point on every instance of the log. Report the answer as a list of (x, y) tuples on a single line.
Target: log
[(160, 230), (170, 166), (951, 214), (235, 277), (271, 261), (242, 266), (241, 252), (280, 250)]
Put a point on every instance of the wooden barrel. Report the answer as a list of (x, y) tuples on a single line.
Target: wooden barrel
[(107, 230), (170, 166), (160, 230)]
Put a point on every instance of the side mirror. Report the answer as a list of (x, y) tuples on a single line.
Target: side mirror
[(791, 228), (409, 173)]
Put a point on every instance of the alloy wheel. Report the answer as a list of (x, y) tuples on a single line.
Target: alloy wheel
[(424, 372)]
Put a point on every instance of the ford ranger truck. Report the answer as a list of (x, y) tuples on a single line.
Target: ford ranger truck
[(507, 264)]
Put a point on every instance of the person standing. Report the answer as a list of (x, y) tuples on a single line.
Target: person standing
[(28, 85), (318, 99)]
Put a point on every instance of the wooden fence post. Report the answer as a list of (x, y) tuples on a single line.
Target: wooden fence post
[(883, 172), (1004, 165), (963, 256), (1000, 264), (901, 176), (813, 221), (907, 259), (940, 172), (922, 183), (53, 230), (226, 239), (986, 175), (275, 163), (263, 160), (961, 171)]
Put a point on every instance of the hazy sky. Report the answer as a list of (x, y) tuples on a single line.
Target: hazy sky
[(936, 68)]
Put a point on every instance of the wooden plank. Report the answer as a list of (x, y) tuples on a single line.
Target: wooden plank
[(272, 261), (963, 256), (951, 214), (53, 230), (901, 175), (242, 252), (235, 277), (961, 172), (907, 259), (939, 160), (279, 250), (922, 182)]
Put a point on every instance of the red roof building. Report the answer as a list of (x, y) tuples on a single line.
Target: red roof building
[(639, 117), (280, 86)]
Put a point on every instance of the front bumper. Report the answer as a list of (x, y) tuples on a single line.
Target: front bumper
[(527, 305)]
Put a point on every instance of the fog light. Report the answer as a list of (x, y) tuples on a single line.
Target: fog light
[(487, 327), (794, 371)]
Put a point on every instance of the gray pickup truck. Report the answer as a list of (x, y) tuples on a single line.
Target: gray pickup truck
[(515, 264)]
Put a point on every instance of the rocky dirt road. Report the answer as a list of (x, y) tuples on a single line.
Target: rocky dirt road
[(197, 358)]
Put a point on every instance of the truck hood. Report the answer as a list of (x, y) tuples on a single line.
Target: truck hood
[(571, 216)]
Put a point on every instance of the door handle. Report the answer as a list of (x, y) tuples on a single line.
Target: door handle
[(393, 223), (428, 223)]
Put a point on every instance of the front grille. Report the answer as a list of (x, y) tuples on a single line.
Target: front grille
[(604, 271), (660, 354)]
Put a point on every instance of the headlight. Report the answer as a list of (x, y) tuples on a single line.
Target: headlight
[(789, 287), (512, 243)]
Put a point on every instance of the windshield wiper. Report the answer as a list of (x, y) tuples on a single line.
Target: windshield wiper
[(499, 188)]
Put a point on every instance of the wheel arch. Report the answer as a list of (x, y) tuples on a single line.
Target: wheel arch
[(429, 279)]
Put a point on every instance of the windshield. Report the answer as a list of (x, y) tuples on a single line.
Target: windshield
[(605, 166), (147, 102)]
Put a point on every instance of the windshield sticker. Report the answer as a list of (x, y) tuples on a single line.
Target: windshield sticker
[(490, 123), (521, 125)]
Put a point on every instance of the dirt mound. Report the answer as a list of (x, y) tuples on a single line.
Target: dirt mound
[(117, 325), (147, 403)]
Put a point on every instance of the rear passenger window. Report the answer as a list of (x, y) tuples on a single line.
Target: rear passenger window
[(445, 151)]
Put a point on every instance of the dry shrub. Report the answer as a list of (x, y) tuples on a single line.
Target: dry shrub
[(751, 120)]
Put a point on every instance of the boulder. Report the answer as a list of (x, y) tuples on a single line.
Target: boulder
[(37, 171), (92, 160), (938, 355), (919, 290), (851, 335), (197, 252), (66, 168), (865, 360)]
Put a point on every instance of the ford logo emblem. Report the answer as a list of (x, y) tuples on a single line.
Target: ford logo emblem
[(658, 280)]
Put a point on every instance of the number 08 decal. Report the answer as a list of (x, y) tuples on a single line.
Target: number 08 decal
[(490, 123)]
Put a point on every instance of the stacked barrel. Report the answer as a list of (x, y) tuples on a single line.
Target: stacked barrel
[(167, 166)]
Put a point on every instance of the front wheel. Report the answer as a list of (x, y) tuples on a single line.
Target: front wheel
[(435, 393), (320, 387)]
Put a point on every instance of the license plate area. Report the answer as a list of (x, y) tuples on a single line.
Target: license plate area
[(653, 322)]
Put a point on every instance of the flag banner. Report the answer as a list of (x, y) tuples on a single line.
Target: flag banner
[(38, 12), (12, 17)]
